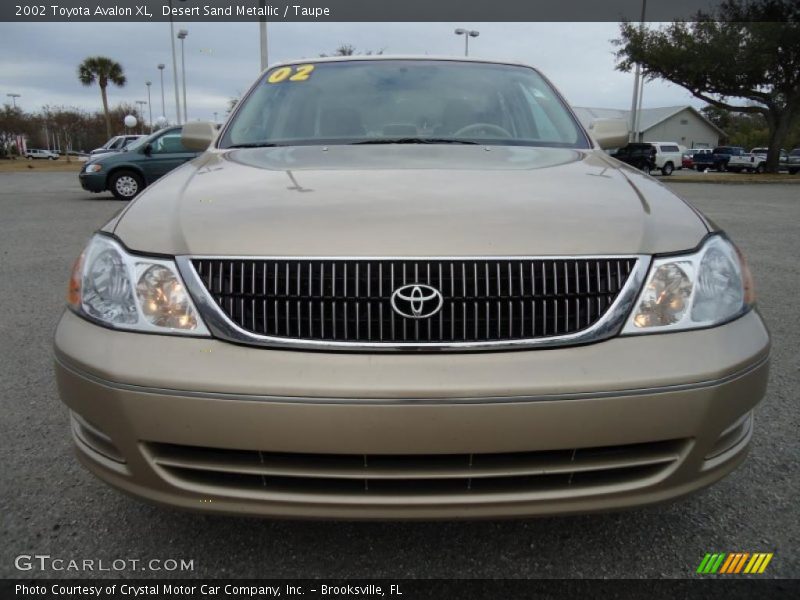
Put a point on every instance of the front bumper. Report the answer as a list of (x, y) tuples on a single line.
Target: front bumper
[(207, 425), (93, 182)]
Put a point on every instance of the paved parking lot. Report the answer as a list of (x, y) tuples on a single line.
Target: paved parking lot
[(51, 505)]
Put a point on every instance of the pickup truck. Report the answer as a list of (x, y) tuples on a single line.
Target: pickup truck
[(756, 161), (718, 159), (747, 162), (687, 160), (793, 161)]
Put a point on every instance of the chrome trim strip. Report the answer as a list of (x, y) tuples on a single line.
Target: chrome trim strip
[(223, 328), (665, 389)]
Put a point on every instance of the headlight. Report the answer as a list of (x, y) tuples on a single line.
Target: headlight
[(702, 289), (131, 292), (94, 168)]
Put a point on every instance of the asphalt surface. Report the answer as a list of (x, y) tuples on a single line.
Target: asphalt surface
[(50, 505)]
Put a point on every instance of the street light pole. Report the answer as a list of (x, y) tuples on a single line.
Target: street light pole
[(637, 123), (636, 100), (149, 104), (163, 105), (262, 28), (182, 37), (467, 33), (174, 64), (14, 98), (141, 104)]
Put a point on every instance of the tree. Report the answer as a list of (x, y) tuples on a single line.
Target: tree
[(742, 129), (102, 70), (62, 127), (748, 50), (12, 123), (350, 50), (345, 50)]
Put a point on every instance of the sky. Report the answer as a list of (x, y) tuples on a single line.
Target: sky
[(39, 60)]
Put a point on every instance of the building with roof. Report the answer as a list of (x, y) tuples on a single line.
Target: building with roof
[(684, 125)]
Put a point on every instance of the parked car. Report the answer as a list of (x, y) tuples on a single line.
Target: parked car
[(702, 162), (783, 156), (718, 159), (793, 161), (116, 144), (33, 153), (648, 156), (127, 173), (755, 161), (687, 159), (456, 305), (668, 157), (641, 156)]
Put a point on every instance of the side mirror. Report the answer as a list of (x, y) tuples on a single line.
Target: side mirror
[(148, 149), (609, 133), (198, 135)]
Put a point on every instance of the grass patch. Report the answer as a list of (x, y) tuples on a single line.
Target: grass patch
[(40, 166), (733, 178)]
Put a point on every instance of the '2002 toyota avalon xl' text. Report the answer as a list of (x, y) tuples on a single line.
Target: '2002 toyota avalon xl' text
[(409, 288)]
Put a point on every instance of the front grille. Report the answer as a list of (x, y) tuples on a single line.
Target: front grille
[(415, 475), (350, 300)]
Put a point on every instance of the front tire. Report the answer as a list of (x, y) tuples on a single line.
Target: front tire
[(125, 185), (667, 169), (761, 169)]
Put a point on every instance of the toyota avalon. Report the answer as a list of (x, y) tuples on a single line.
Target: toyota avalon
[(409, 288)]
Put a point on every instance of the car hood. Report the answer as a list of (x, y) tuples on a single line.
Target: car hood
[(407, 200), (100, 156), (115, 156)]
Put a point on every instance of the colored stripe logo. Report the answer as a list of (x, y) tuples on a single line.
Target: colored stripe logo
[(733, 563)]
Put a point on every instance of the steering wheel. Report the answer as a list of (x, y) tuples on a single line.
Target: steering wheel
[(475, 127)]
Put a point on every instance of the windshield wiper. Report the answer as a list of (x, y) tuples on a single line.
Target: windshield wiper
[(415, 140), (255, 145)]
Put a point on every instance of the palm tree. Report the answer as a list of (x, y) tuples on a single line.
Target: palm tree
[(102, 70)]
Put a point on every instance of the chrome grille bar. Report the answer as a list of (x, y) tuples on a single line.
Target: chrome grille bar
[(342, 302)]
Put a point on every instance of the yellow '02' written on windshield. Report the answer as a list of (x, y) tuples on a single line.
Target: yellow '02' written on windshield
[(294, 73)]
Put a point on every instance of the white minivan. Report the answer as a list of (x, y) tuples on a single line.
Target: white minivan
[(668, 156)]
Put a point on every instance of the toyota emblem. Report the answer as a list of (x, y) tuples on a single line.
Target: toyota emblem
[(417, 301)]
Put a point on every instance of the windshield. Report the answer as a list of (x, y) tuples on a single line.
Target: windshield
[(403, 101), (138, 143)]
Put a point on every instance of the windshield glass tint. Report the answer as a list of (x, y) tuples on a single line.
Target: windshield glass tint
[(358, 101), (138, 143)]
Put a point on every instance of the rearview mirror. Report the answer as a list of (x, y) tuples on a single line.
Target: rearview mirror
[(198, 135), (609, 133), (148, 149)]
